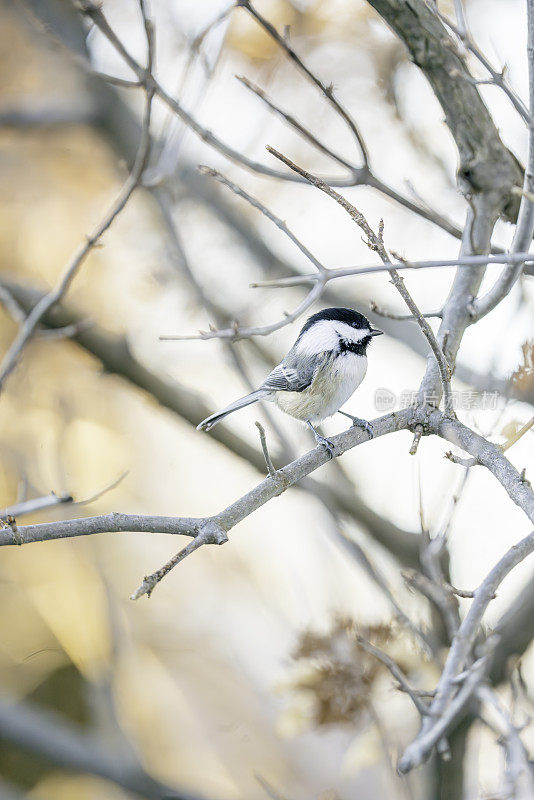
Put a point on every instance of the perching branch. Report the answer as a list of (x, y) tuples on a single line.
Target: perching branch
[(213, 530), (117, 358)]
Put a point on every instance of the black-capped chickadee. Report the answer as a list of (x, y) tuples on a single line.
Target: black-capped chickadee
[(324, 367)]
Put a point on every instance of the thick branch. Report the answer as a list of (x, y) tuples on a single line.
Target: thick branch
[(486, 165), (64, 744), (444, 708), (525, 220)]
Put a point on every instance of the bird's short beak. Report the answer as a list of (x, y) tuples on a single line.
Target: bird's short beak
[(376, 332)]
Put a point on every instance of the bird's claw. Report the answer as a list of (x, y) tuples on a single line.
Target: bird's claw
[(362, 423), (325, 443)]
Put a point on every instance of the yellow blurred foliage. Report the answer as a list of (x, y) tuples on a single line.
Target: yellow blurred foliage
[(246, 36), (145, 689), (58, 786), (365, 751), (67, 591), (93, 455)]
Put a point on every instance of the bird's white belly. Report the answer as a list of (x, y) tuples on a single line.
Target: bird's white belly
[(328, 392)]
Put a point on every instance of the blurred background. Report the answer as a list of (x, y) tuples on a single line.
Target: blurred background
[(241, 676)]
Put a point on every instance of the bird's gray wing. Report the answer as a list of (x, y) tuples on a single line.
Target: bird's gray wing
[(287, 378)]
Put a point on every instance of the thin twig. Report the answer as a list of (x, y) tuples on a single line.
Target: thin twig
[(418, 432), (345, 272), (36, 504), (516, 436), (463, 462), (401, 317), (327, 91), (265, 211), (302, 130), (497, 77), (236, 332), (263, 439), (395, 670), (357, 552), (209, 533), (105, 490)]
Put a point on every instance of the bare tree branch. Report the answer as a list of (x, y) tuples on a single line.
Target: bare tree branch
[(36, 504), (93, 12), (518, 771), (405, 264), (116, 357), (497, 77), (486, 165), (525, 220), (396, 671), (64, 744), (235, 332), (213, 530), (49, 300), (327, 91), (440, 708), (294, 123)]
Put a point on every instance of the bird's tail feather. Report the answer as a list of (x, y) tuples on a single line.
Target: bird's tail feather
[(253, 397)]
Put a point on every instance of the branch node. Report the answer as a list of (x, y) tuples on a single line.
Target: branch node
[(11, 523), (463, 462), (523, 478)]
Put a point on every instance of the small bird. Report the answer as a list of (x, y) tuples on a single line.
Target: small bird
[(324, 367)]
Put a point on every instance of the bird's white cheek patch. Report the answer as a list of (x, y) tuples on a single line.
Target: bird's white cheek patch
[(320, 337)]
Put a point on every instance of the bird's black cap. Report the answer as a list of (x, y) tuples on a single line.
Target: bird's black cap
[(346, 315)]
